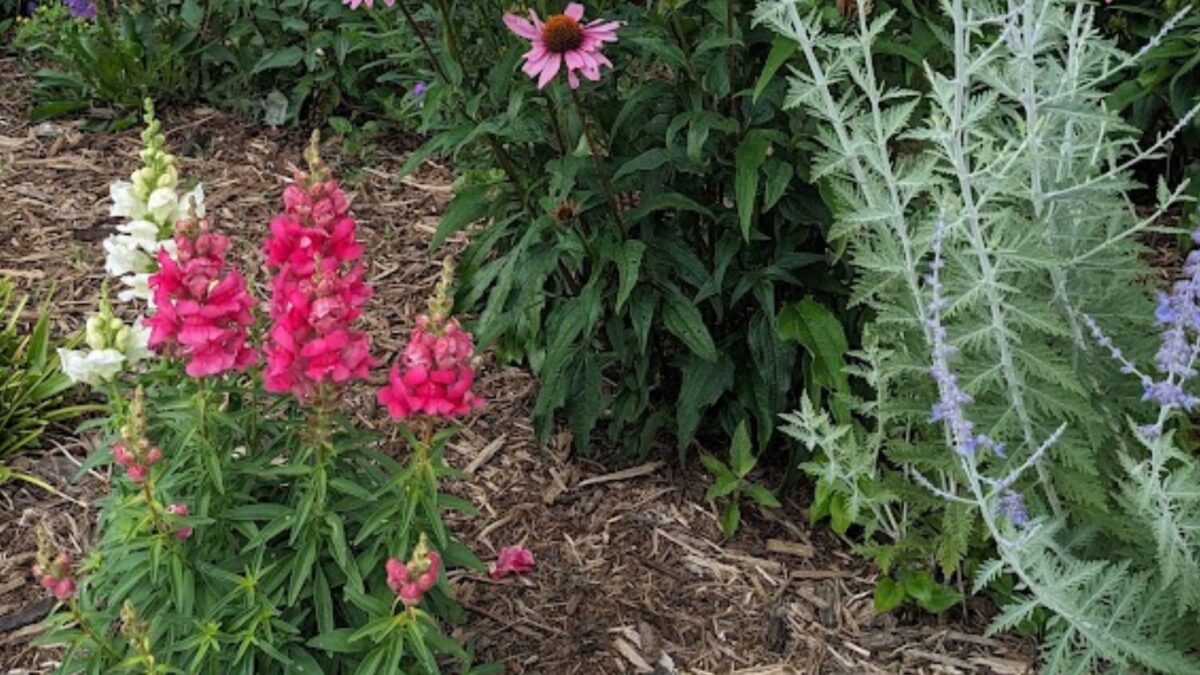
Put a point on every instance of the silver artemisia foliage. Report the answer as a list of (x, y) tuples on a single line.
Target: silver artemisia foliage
[(1012, 146)]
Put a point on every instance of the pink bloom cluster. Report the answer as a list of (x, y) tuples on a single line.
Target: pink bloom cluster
[(56, 576), (437, 374), (203, 308), (411, 581), (564, 42), (180, 509), (511, 560), (137, 462), (317, 291)]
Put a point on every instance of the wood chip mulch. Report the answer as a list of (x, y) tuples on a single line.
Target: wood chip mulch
[(632, 574)]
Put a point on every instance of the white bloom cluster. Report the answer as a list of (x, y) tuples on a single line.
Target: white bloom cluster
[(151, 203), (113, 347)]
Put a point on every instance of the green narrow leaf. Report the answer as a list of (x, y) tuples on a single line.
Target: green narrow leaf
[(741, 455), (730, 518), (283, 58), (782, 49), (762, 496), (703, 383), (681, 317), (748, 158), (468, 206), (629, 266)]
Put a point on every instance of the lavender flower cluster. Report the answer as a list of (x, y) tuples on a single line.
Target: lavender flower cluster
[(79, 9), (952, 401), (1178, 316)]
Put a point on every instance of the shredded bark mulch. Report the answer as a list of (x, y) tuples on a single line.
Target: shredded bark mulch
[(632, 575)]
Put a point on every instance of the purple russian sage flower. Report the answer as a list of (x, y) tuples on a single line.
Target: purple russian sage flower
[(952, 398), (419, 89), (1012, 506), (81, 9)]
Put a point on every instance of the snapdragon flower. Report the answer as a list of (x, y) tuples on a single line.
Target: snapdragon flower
[(203, 310), (152, 203), (318, 289), (113, 346), (436, 373), (412, 580)]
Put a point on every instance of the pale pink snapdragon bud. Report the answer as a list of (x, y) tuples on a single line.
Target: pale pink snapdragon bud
[(410, 581), (54, 574), (180, 509)]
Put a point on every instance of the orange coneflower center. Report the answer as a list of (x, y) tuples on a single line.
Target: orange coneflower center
[(562, 34)]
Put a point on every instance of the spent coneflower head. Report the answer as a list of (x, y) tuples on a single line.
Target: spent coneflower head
[(566, 211), (563, 41)]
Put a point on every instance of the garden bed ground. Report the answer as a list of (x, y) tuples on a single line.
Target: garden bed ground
[(632, 573)]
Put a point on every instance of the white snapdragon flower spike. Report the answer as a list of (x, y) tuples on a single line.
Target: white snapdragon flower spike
[(93, 367), (137, 287), (152, 204), (125, 201), (124, 255), (113, 347)]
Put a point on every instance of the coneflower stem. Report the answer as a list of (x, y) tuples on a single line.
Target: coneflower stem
[(596, 148)]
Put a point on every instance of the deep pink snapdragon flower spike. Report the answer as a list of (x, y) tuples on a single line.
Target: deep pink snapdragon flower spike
[(203, 310), (564, 43), (511, 560), (436, 372), (318, 288)]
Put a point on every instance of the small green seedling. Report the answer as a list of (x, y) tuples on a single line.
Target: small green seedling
[(731, 482)]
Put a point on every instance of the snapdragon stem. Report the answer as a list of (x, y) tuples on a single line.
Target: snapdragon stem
[(89, 631)]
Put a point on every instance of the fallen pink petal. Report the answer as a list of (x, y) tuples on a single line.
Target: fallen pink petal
[(511, 560)]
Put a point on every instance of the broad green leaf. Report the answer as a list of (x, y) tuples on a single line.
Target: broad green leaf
[(812, 325), (703, 383), (888, 595), (647, 161), (839, 515)]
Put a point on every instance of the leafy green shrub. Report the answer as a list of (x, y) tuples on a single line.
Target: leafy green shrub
[(1167, 82), (31, 384), (992, 237), (278, 61), (114, 60), (644, 232)]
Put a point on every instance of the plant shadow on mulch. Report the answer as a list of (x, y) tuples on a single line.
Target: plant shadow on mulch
[(632, 572)]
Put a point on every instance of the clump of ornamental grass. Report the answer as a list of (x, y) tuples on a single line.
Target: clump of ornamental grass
[(252, 527), (984, 234)]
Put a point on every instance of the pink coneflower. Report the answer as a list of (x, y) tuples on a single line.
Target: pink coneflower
[(564, 38)]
